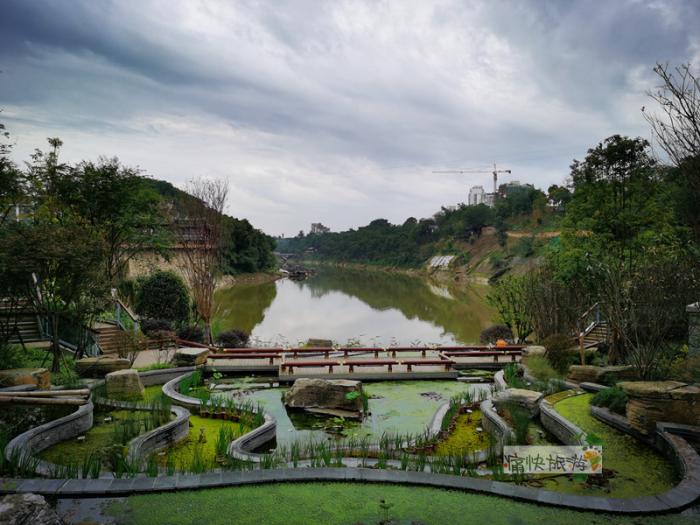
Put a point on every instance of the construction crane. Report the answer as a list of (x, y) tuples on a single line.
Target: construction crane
[(495, 172)]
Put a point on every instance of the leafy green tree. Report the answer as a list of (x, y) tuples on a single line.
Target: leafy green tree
[(163, 295), (121, 205), (56, 267), (509, 297), (246, 249)]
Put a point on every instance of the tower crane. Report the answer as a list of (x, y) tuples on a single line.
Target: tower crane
[(495, 173)]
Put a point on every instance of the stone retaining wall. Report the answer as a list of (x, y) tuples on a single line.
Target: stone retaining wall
[(158, 377), (563, 429), (162, 437), (42, 437), (495, 425)]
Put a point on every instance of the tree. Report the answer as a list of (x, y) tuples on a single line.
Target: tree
[(121, 205), (620, 202), (201, 234), (677, 128), (246, 249), (163, 295), (509, 298), (56, 267)]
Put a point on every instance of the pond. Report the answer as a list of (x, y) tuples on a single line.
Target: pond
[(395, 407), (638, 469), (348, 305)]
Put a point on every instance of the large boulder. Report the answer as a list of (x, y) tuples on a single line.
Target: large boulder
[(652, 401), (332, 396), (191, 356), (527, 399), (27, 508), (100, 366), (40, 377), (603, 375), (124, 384)]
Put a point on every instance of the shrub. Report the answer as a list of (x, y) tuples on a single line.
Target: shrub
[(233, 339), (153, 327), (191, 333), (613, 398), (540, 368), (559, 354), (163, 295), (496, 332)]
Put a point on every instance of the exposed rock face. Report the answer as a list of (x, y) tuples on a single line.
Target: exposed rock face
[(528, 399), (124, 384), (325, 395), (20, 509), (25, 376), (653, 401), (599, 374), (100, 366), (191, 356)]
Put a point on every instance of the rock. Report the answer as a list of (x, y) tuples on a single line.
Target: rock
[(25, 376), (528, 399), (27, 508), (653, 401), (325, 394), (100, 366), (604, 375), (534, 350), (319, 343), (124, 384), (191, 356)]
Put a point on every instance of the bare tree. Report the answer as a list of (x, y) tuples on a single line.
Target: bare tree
[(677, 127), (200, 235)]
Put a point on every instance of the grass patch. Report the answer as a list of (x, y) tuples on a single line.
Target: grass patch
[(540, 368), (346, 503)]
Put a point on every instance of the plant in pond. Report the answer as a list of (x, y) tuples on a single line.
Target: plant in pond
[(613, 398), (152, 466), (520, 419), (91, 466), (384, 508), (540, 368), (170, 465), (513, 376)]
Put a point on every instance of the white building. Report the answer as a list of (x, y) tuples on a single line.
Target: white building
[(476, 195)]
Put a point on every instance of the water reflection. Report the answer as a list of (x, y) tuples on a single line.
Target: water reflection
[(342, 305)]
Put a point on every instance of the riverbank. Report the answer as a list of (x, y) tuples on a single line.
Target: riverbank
[(248, 278)]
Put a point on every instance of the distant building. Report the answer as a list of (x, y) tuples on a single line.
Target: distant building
[(476, 195), (318, 228)]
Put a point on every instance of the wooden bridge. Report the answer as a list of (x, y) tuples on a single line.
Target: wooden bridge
[(367, 363)]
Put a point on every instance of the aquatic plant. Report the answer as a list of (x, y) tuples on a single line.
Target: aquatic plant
[(613, 398)]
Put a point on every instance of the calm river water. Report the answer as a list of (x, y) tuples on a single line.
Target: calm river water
[(345, 305)]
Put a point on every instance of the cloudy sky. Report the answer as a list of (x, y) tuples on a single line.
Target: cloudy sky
[(335, 111)]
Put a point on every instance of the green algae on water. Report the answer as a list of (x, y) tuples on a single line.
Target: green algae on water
[(639, 469)]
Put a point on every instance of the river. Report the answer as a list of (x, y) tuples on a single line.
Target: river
[(374, 308), (344, 305)]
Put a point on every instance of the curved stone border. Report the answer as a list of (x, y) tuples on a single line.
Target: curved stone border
[(563, 429), (677, 498), (499, 380), (495, 425), (163, 375), (172, 390), (163, 436), (241, 448), (42, 437)]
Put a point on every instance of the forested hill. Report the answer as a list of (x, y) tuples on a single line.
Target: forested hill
[(248, 249), (449, 231)]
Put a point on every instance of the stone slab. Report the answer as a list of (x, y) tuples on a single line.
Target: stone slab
[(39, 377), (100, 366), (191, 356)]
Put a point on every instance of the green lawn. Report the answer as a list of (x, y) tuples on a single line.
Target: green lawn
[(352, 503)]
